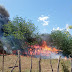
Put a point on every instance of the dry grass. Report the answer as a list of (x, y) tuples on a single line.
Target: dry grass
[(26, 61)]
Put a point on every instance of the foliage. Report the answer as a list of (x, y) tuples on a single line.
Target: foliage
[(62, 40), (70, 27), (21, 29)]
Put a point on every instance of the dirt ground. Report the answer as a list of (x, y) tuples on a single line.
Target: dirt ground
[(10, 60)]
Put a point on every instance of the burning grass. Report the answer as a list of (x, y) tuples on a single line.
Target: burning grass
[(26, 62)]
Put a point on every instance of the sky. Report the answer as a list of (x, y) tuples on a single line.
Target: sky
[(48, 15)]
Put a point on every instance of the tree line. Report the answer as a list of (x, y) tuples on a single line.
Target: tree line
[(23, 32)]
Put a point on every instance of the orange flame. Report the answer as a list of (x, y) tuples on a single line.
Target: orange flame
[(44, 50)]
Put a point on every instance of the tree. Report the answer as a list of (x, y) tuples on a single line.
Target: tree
[(70, 27), (62, 40), (21, 30)]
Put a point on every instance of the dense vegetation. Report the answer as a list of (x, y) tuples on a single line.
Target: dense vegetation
[(18, 32), (23, 31), (62, 40)]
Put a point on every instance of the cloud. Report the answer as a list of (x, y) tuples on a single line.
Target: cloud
[(58, 28), (44, 19), (66, 27)]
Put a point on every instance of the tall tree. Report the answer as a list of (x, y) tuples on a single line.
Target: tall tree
[(20, 29), (62, 40)]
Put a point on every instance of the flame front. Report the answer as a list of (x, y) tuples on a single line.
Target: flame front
[(43, 50)]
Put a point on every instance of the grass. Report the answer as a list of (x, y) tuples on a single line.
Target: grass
[(26, 61)]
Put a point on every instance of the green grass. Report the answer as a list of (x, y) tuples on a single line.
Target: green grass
[(26, 61)]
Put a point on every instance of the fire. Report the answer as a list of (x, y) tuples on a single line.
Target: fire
[(43, 50), (37, 50)]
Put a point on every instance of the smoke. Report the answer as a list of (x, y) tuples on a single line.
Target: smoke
[(47, 38), (3, 11), (0, 45), (4, 20), (52, 56)]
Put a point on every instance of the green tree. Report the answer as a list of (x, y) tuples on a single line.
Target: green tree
[(21, 29), (70, 27), (62, 40)]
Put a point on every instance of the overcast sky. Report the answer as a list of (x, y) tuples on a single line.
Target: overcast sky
[(46, 14)]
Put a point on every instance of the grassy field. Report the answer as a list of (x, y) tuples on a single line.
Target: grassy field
[(26, 61)]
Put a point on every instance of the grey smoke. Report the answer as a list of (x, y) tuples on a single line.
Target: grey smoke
[(3, 11), (4, 20), (46, 37)]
